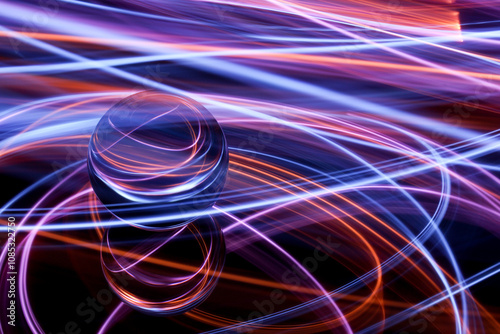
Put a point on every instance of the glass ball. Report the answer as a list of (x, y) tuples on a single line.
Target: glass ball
[(157, 161)]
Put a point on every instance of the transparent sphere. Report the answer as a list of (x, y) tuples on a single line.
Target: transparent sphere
[(157, 161)]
